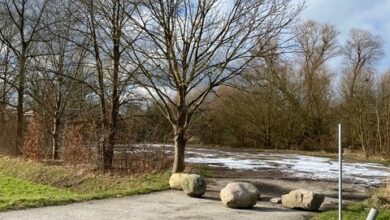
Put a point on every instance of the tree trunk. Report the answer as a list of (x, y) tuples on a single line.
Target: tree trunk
[(55, 139), (378, 129), (363, 143), (180, 143), (387, 130), (2, 114), (20, 107), (3, 108), (108, 151), (4, 91), (104, 122), (108, 154)]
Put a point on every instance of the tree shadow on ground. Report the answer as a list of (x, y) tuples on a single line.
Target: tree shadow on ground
[(277, 209), (258, 208)]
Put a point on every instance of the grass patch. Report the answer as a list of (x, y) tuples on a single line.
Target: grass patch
[(31, 184), (103, 186), (357, 211), (16, 193), (380, 199), (54, 175)]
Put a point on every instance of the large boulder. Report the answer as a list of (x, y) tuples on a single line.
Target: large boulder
[(303, 199), (175, 180), (193, 185), (239, 195)]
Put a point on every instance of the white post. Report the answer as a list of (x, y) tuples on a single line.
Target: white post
[(372, 214), (340, 175)]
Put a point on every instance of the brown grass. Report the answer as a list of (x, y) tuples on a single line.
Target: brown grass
[(144, 159), (386, 192), (380, 197)]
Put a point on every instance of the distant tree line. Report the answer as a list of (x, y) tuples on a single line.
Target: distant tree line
[(100, 73), (295, 101)]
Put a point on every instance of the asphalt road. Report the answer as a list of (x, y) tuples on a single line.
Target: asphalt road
[(161, 205)]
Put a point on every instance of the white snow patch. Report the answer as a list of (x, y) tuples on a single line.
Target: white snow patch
[(300, 166), (230, 162)]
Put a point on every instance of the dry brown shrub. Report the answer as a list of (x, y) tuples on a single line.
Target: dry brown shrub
[(7, 134), (141, 159), (31, 148), (75, 149), (380, 197)]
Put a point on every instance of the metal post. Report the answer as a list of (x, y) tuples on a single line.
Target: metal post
[(373, 214), (340, 175)]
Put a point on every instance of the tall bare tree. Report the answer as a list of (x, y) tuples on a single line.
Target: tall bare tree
[(188, 48), (103, 31), (362, 51), (21, 18), (5, 77), (316, 44), (384, 110), (52, 85)]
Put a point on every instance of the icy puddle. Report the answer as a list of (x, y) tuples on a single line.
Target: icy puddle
[(294, 165)]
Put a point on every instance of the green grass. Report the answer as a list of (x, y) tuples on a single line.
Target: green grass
[(30, 184), (379, 198), (357, 211), (100, 187), (16, 193), (54, 175)]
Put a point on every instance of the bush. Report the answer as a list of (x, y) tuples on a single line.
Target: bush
[(75, 149), (32, 141), (141, 159)]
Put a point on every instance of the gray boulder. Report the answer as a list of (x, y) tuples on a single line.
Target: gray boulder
[(175, 180), (303, 199), (239, 195), (193, 185)]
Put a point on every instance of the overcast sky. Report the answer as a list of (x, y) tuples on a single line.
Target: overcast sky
[(372, 15)]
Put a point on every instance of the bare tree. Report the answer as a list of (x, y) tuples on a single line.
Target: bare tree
[(21, 18), (384, 109), (188, 48), (103, 31), (362, 51), (5, 77), (52, 86), (316, 44)]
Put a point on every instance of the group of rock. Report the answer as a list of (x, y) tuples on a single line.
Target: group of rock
[(242, 195)]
